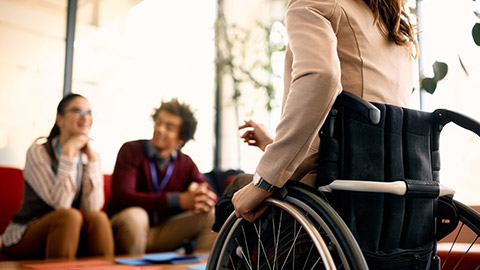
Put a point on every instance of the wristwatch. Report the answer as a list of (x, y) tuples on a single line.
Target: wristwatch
[(259, 182)]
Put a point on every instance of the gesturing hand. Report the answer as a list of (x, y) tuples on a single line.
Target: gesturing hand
[(258, 136)]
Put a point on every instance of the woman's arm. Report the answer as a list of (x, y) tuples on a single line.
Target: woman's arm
[(56, 190), (93, 193)]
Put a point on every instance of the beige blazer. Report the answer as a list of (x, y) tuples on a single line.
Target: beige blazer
[(333, 46)]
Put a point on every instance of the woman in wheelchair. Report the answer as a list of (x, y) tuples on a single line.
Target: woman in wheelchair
[(364, 50), (365, 47)]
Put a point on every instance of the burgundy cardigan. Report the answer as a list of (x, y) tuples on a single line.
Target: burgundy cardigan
[(132, 182)]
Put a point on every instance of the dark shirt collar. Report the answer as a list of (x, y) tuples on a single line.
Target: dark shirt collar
[(153, 154)]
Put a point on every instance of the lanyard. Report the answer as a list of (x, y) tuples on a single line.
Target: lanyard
[(153, 171), (59, 152), (165, 179)]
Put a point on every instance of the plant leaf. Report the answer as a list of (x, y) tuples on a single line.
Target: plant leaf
[(413, 10), (440, 70), (476, 14), (429, 85), (463, 66), (476, 33)]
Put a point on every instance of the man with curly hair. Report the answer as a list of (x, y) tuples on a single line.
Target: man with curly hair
[(159, 198)]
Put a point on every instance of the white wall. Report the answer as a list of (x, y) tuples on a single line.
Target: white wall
[(158, 50), (31, 77), (447, 32), (126, 61)]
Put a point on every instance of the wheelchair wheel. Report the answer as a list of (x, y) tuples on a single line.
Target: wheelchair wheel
[(300, 231), (461, 250)]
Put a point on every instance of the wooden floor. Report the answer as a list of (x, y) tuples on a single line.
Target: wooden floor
[(97, 263)]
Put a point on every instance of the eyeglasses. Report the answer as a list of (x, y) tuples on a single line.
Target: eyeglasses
[(81, 112)]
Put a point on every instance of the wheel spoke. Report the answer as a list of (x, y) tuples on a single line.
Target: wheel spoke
[(261, 243), (231, 261), (258, 245), (316, 262), (293, 244), (453, 244), (243, 254), (274, 238), (308, 257), (465, 253), (278, 239), (246, 244), (293, 257)]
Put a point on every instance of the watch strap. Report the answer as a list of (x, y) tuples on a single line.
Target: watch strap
[(263, 184)]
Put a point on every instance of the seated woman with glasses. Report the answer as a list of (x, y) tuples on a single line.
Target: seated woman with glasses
[(60, 214)]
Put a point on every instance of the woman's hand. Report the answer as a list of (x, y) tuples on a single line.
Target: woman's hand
[(73, 145), (258, 136), (247, 200), (88, 150), (77, 144)]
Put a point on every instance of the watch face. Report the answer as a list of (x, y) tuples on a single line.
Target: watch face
[(256, 178)]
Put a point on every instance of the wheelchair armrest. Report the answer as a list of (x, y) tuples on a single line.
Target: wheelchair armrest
[(407, 188)]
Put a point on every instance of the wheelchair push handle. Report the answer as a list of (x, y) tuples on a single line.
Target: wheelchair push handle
[(444, 117), (364, 107)]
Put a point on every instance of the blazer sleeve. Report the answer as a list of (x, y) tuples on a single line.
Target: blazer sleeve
[(315, 83)]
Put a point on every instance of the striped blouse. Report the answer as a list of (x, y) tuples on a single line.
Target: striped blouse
[(59, 190)]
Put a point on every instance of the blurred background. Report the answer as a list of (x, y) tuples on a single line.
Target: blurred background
[(224, 57)]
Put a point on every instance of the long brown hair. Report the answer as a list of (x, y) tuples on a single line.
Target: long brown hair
[(394, 21)]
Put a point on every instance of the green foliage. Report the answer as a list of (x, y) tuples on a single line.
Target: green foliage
[(429, 85), (246, 55), (241, 46), (476, 33), (463, 66), (440, 70)]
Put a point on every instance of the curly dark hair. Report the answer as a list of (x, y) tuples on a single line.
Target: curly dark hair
[(189, 122)]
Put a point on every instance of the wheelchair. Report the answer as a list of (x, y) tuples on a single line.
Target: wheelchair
[(377, 203)]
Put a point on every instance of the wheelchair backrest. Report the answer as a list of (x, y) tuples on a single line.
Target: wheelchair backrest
[(404, 144)]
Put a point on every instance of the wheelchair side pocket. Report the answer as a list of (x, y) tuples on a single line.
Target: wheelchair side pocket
[(417, 258)]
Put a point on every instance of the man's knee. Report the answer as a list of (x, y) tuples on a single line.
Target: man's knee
[(131, 218), (130, 229), (209, 218)]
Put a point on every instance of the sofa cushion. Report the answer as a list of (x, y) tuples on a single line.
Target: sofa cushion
[(11, 188), (107, 189)]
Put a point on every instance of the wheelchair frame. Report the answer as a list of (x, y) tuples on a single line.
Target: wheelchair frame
[(317, 227)]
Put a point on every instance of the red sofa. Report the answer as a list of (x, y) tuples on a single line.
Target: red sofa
[(11, 183), (11, 189)]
